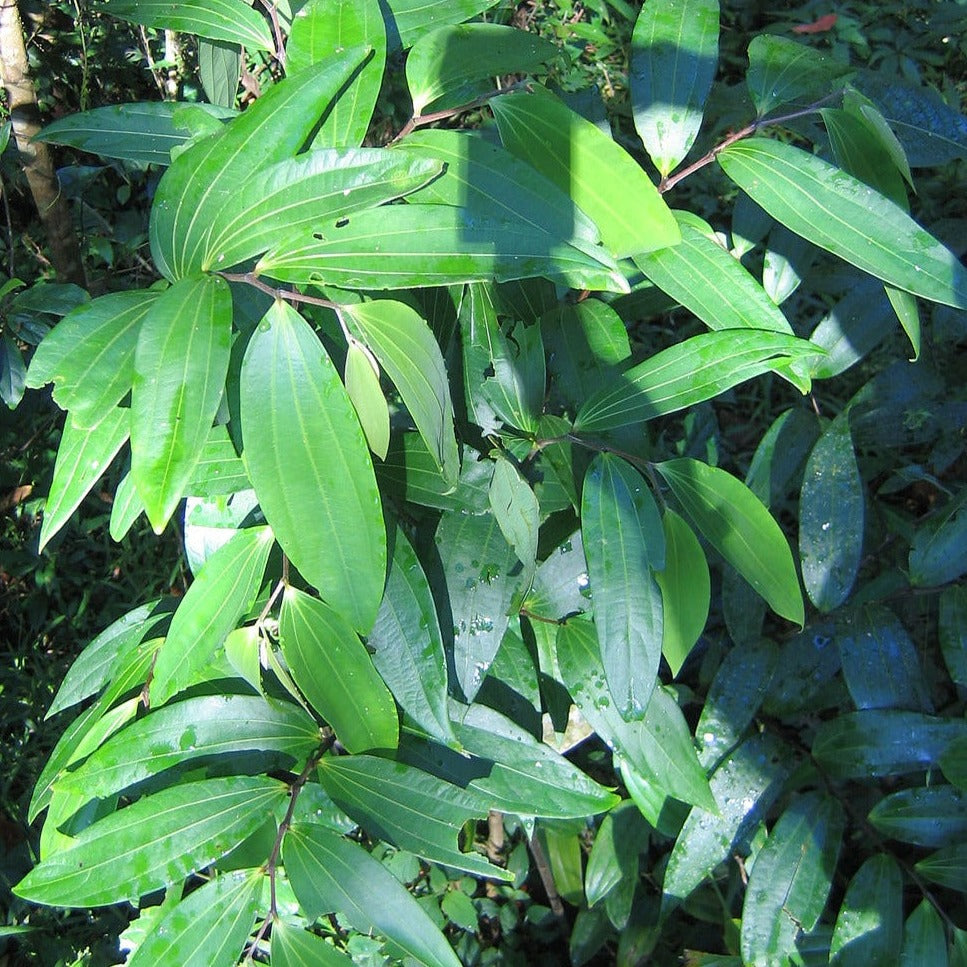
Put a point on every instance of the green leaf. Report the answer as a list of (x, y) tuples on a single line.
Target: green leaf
[(405, 347), (410, 473), (219, 69), (322, 29), (881, 742), (625, 544), (600, 176), (480, 567), (952, 631), (82, 458), (516, 511), (412, 246), (362, 384), (179, 374), (409, 646), (229, 20), (13, 372), (328, 873), (938, 553), (835, 211), (781, 455), (831, 518), (925, 815), (89, 354), (924, 939), (736, 524), (209, 175), (947, 866), (561, 586), (659, 746), (141, 132), (790, 880), (880, 662), (332, 667), (209, 927), (294, 947), (224, 590), (869, 923), (685, 591), (207, 726), (410, 808), (154, 843), (443, 61), (674, 53), (620, 838), (220, 471), (307, 459), (690, 372), (782, 70)]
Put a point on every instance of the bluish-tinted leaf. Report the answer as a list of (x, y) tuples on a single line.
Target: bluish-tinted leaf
[(923, 815), (948, 867), (939, 550), (952, 631), (781, 454), (869, 923), (924, 940)]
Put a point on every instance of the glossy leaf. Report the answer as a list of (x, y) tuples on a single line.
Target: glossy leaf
[(408, 807), (790, 880), (223, 592), (208, 927), (600, 176), (674, 53), (207, 176), (690, 372), (323, 29), (404, 345), (155, 842), (516, 511), (307, 459), (82, 458), (329, 873), (143, 132), (229, 20), (736, 524), (180, 367), (335, 673), (561, 585), (89, 355), (925, 816), (208, 726), (835, 211), (409, 646), (685, 591), (294, 947), (938, 553), (445, 60), (869, 923), (362, 384), (831, 518), (625, 544)]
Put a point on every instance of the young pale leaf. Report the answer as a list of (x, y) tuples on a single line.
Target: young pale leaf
[(307, 459), (322, 29), (219, 69), (480, 567), (782, 70), (938, 553), (791, 878), (674, 53), (409, 646), (208, 928), (924, 939), (82, 458), (869, 925), (740, 528), (831, 512), (331, 874), (691, 372), (625, 544), (154, 843), (332, 667), (412, 246), (230, 20), (223, 592), (837, 212), (880, 663), (408, 807), (210, 174), (294, 947), (180, 367), (931, 816), (516, 511), (404, 345), (141, 132), (207, 726), (89, 355), (362, 384), (685, 591), (443, 61), (600, 176)]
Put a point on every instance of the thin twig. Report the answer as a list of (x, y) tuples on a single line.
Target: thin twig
[(547, 876), (250, 278), (272, 7)]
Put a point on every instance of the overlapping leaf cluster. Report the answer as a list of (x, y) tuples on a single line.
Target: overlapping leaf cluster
[(436, 527)]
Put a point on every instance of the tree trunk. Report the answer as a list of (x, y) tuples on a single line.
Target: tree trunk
[(37, 164)]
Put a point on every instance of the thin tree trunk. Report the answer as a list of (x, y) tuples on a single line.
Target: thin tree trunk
[(37, 164)]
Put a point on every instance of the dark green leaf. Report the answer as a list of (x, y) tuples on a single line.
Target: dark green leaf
[(516, 511), (622, 835), (952, 631), (294, 947), (219, 68), (925, 815), (947, 866), (924, 940), (939, 550), (869, 923)]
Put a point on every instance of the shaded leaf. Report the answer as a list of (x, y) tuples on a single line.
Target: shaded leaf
[(294, 947), (938, 553), (516, 511), (869, 923), (924, 940)]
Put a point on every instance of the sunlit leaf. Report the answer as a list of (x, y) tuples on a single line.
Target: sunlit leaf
[(933, 815), (516, 511), (362, 384), (869, 923)]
